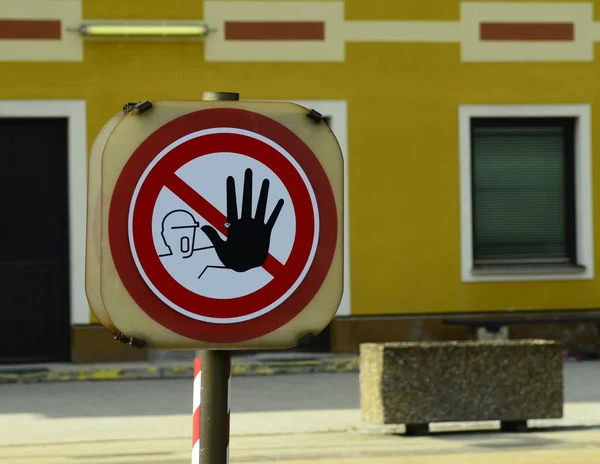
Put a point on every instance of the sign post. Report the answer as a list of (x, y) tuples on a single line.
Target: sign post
[(215, 225), (212, 444), (214, 408)]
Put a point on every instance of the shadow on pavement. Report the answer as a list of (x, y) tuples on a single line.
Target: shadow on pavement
[(173, 397), (496, 439)]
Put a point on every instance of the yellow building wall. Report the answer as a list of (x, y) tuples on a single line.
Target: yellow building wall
[(403, 101)]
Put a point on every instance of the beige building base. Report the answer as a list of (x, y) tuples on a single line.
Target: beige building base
[(349, 332), (94, 344)]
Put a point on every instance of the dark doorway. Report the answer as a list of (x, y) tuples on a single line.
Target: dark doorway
[(34, 257)]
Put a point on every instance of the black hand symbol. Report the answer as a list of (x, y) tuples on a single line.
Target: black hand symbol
[(248, 238)]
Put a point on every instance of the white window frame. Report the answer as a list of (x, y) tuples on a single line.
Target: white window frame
[(583, 191), (337, 110), (75, 112)]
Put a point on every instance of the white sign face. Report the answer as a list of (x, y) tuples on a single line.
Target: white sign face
[(187, 252), (225, 225)]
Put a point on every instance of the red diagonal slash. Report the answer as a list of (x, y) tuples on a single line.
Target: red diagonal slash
[(214, 217)]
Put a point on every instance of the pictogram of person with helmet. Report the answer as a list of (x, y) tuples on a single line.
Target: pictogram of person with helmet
[(179, 234)]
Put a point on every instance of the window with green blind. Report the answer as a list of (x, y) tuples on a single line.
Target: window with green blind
[(523, 191)]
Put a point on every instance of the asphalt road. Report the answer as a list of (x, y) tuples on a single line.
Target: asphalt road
[(173, 397), (295, 419)]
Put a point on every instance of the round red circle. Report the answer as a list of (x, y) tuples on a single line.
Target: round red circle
[(119, 237), (160, 175)]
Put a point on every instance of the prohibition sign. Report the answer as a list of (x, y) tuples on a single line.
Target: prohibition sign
[(156, 165)]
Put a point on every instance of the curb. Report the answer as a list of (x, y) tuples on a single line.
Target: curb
[(177, 372)]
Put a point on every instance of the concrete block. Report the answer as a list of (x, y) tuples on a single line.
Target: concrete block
[(416, 383)]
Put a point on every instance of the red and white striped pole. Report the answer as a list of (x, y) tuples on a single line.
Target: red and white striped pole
[(211, 407), (196, 410)]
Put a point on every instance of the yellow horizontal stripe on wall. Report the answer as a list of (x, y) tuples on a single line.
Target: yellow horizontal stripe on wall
[(143, 9)]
